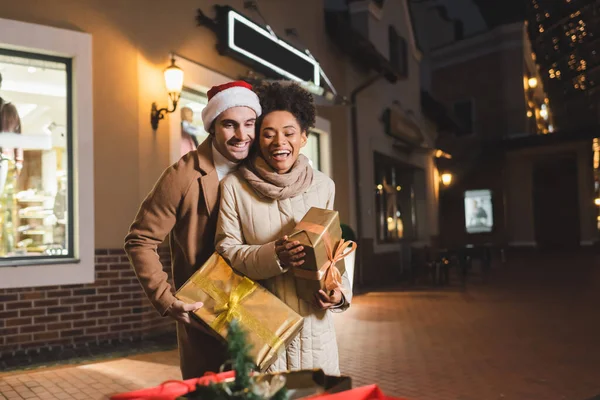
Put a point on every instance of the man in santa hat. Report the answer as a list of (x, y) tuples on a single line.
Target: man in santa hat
[(184, 206)]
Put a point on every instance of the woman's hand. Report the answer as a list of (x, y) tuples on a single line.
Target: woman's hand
[(326, 301), (290, 253)]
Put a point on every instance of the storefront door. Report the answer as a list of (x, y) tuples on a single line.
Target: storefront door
[(555, 203)]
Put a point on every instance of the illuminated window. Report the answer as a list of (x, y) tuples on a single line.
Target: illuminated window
[(36, 174), (192, 129), (312, 150), (395, 200)]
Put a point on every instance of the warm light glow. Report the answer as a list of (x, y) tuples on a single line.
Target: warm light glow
[(532, 82), (442, 154), (597, 201), (529, 114), (596, 150), (379, 187), (544, 112), (174, 78), (398, 188), (446, 178)]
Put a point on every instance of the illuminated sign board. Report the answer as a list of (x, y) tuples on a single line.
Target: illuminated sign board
[(479, 215), (250, 43)]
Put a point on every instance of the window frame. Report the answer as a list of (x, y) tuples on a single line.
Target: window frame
[(397, 51), (316, 135), (409, 217), (77, 46), (473, 129), (70, 257)]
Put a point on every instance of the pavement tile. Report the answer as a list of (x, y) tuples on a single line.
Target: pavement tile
[(531, 332)]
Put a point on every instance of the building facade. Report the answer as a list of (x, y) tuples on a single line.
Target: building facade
[(83, 77), (518, 180)]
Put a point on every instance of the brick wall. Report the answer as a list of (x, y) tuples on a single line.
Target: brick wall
[(114, 307)]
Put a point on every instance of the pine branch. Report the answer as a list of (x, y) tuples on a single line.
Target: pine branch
[(239, 351)]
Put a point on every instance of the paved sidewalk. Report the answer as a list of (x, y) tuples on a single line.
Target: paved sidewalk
[(532, 333)]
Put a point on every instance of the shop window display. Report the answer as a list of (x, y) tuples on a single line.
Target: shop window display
[(192, 130), (35, 162), (312, 150), (394, 200)]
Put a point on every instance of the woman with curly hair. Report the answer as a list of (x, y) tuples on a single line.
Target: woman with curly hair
[(262, 202)]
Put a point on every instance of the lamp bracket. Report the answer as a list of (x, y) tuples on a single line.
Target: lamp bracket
[(205, 20), (157, 114)]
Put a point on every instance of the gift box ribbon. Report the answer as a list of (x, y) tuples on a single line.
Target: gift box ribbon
[(230, 306), (328, 271)]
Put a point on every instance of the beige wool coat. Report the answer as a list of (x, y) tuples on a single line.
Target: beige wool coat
[(247, 228)]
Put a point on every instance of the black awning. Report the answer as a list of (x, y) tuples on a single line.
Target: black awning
[(550, 139), (360, 49)]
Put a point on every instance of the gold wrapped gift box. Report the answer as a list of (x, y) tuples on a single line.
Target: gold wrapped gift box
[(321, 235), (271, 324)]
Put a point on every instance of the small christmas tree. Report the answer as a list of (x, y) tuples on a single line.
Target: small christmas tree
[(244, 387)]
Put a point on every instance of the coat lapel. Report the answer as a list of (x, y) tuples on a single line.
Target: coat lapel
[(209, 179), (210, 187)]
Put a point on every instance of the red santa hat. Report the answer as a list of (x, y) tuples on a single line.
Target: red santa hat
[(226, 96)]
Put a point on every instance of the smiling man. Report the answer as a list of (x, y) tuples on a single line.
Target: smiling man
[(184, 206)]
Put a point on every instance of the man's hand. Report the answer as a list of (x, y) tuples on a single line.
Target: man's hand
[(290, 253), (180, 311), (326, 301)]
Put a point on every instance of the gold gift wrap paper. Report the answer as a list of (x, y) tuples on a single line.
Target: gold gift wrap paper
[(270, 324), (320, 234)]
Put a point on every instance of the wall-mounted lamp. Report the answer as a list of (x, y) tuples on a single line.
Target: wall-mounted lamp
[(446, 179), (532, 82), (442, 154), (174, 84)]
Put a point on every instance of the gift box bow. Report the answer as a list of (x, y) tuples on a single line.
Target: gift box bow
[(328, 271), (230, 306)]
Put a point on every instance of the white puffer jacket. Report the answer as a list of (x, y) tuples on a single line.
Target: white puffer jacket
[(248, 226)]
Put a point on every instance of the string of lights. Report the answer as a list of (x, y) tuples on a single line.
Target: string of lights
[(565, 37)]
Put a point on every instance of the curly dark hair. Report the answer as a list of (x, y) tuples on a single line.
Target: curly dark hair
[(291, 97)]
